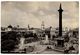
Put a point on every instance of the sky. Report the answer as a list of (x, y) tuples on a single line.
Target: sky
[(34, 13)]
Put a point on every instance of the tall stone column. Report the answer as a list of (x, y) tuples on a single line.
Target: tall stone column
[(60, 20), (60, 39)]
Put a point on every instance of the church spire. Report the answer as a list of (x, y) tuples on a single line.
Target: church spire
[(42, 25)]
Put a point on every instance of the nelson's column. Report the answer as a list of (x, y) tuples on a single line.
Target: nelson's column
[(60, 20), (60, 39)]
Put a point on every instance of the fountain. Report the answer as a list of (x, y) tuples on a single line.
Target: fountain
[(21, 45), (46, 39)]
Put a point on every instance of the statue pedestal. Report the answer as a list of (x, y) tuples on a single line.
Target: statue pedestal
[(60, 42)]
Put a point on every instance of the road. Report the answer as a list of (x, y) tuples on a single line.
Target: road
[(51, 52), (38, 49)]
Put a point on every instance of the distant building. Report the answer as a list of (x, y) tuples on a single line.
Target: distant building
[(9, 28), (42, 26)]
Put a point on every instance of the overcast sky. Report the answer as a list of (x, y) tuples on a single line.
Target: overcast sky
[(33, 13)]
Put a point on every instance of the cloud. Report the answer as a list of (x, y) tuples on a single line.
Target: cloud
[(33, 13)]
